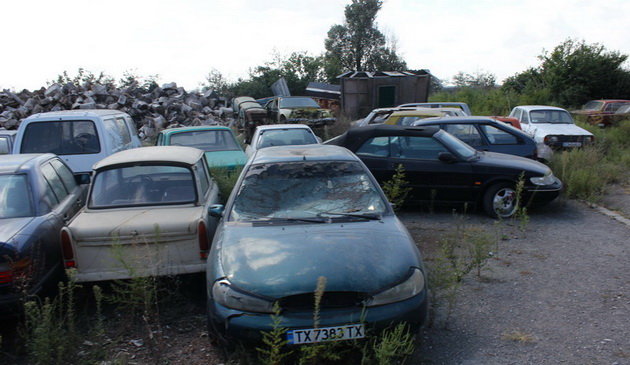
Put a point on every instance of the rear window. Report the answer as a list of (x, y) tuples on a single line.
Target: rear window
[(61, 138), (143, 185)]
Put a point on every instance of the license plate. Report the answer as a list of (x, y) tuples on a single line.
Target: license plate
[(571, 144), (323, 334)]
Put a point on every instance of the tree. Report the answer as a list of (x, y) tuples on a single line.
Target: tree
[(575, 72), (358, 44), (478, 79)]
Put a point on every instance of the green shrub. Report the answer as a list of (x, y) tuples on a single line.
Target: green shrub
[(225, 179)]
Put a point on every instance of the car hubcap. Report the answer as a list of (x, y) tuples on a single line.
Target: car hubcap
[(505, 202)]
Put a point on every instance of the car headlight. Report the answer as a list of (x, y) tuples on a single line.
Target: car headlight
[(225, 294), (546, 179), (551, 139), (589, 139), (413, 286)]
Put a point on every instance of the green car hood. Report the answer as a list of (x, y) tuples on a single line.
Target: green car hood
[(281, 260)]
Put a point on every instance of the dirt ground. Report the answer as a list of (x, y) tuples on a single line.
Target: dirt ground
[(555, 292)]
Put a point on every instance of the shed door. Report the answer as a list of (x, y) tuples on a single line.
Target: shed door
[(386, 96)]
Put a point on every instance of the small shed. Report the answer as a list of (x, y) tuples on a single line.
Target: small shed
[(363, 91)]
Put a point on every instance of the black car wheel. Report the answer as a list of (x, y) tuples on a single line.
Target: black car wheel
[(501, 200)]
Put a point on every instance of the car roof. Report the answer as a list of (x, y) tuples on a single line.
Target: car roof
[(450, 119), (539, 107), (175, 154), (193, 129), (282, 126), (310, 152), (11, 164), (8, 132), (355, 137), (417, 111), (77, 113)]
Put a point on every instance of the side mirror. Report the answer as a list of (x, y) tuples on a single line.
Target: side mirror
[(82, 179), (447, 157), (216, 210)]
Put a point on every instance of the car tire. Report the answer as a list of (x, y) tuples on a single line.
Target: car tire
[(501, 200), (283, 119)]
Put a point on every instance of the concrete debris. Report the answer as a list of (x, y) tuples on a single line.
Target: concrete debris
[(152, 111)]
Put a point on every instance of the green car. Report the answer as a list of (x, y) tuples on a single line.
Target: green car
[(219, 142)]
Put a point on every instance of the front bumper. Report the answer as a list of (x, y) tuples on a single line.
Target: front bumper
[(541, 195), (248, 327)]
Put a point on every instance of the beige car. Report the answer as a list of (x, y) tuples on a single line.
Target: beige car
[(408, 117), (150, 212)]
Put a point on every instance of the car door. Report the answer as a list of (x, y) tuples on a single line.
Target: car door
[(430, 178)]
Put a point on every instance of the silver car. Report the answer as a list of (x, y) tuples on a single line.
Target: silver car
[(148, 213)]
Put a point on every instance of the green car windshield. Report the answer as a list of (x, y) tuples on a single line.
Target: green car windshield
[(306, 189)]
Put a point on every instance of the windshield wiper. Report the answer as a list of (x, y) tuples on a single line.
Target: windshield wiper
[(369, 216)]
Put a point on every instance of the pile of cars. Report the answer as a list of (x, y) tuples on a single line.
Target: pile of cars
[(303, 214)]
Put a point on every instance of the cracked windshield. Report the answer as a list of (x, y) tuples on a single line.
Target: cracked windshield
[(303, 189)]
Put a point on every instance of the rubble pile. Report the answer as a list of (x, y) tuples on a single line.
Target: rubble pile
[(163, 107)]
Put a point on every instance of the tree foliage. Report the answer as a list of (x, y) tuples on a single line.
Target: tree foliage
[(477, 79), (358, 44), (573, 73)]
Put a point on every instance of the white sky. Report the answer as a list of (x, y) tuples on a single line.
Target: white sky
[(183, 40)]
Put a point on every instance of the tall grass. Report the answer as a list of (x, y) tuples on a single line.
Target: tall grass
[(586, 172)]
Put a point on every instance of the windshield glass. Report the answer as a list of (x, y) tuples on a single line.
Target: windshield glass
[(593, 105), (15, 197), (142, 185), (456, 144), (209, 140), (298, 103), (306, 189), (285, 137), (550, 116)]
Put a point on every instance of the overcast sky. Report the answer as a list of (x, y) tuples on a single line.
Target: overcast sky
[(183, 40)]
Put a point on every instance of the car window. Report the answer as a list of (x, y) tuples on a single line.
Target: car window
[(285, 137), (113, 134), (305, 189), (54, 182), (16, 199), (123, 129), (208, 140), (67, 178), (413, 147), (202, 173), (142, 185), (377, 146), (525, 117), (298, 103), (497, 136), (4, 145), (61, 138), (550, 116), (467, 133)]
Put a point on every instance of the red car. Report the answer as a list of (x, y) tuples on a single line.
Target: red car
[(508, 120), (600, 112)]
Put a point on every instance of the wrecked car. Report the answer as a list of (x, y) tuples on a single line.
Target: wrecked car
[(306, 217), (38, 193), (148, 213), (250, 114), (298, 109)]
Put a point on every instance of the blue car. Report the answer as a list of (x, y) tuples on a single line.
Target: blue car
[(487, 134), (38, 193), (306, 217)]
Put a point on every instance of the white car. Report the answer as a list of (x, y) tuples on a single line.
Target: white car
[(149, 212), (551, 126), (280, 135)]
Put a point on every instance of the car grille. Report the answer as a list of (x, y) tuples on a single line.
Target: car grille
[(330, 300)]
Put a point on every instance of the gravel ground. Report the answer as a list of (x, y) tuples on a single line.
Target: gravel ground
[(557, 293)]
